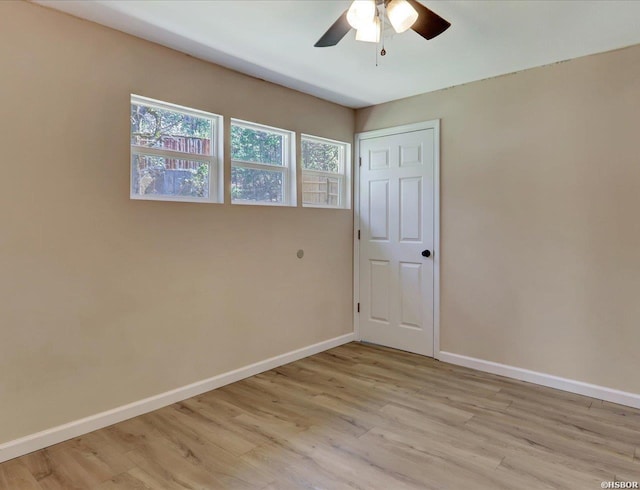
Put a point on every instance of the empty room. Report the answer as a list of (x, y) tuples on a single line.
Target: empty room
[(320, 244)]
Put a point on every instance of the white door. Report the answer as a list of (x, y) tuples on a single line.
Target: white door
[(397, 203)]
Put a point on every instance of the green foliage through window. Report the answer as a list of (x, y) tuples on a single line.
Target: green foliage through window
[(154, 175), (172, 152), (266, 150), (320, 156), (153, 127), (252, 145), (257, 185), (324, 176)]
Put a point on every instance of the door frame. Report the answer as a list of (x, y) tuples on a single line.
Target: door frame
[(407, 128)]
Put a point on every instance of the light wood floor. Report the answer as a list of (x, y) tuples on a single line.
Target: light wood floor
[(356, 416)]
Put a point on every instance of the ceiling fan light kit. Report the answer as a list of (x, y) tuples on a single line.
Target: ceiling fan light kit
[(369, 32), (401, 15), (364, 16), (362, 13)]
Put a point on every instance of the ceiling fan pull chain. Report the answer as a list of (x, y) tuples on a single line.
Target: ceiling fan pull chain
[(384, 16)]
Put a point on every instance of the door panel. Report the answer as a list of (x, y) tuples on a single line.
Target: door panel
[(379, 209), (411, 294), (411, 209), (396, 212), (380, 289), (379, 158)]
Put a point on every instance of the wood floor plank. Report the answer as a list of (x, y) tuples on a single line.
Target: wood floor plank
[(547, 474), (14, 475), (293, 469), (94, 460), (127, 481), (618, 439), (458, 468), (128, 435), (316, 414), (374, 466), (203, 463), (74, 469), (540, 445), (38, 463), (244, 433), (214, 432), (553, 436), (356, 417)]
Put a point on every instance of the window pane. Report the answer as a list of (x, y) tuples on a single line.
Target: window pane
[(249, 184), (321, 190), (153, 175), (170, 130), (252, 145), (321, 156)]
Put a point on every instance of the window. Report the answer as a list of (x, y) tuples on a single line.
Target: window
[(326, 171), (175, 153), (262, 165)]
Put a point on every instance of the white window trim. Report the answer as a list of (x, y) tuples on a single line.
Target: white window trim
[(344, 201), (216, 170), (288, 167)]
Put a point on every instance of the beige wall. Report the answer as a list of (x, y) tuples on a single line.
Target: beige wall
[(540, 216), (104, 300)]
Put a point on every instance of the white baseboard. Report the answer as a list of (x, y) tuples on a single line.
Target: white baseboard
[(564, 384), (40, 440)]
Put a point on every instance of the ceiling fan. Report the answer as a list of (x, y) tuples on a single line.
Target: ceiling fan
[(365, 17)]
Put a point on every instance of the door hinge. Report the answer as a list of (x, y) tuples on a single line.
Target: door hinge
[(359, 161), (358, 307), (358, 234)]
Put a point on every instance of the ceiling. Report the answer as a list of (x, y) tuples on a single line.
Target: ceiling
[(273, 40)]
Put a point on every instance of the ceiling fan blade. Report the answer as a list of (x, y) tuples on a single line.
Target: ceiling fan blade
[(429, 24), (335, 33)]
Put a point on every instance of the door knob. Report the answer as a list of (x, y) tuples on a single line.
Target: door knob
[(426, 253)]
